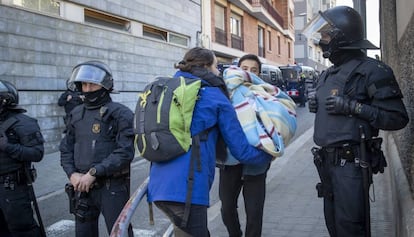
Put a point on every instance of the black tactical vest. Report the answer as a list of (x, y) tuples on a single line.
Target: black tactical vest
[(94, 136), (7, 163), (332, 129), (21, 131)]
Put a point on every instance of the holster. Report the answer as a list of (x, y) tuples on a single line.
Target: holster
[(317, 160), (375, 154), (79, 204), (70, 191), (322, 187), (33, 173)]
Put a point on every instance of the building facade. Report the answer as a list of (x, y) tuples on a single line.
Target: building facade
[(41, 41), (263, 27), (307, 51), (397, 33)]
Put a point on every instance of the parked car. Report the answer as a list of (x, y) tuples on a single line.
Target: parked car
[(273, 75), (223, 66), (311, 77), (295, 83)]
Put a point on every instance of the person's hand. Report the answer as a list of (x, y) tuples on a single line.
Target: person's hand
[(69, 97), (75, 180), (312, 100), (340, 105), (3, 141), (86, 182)]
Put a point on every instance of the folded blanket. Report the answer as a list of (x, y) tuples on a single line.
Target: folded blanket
[(266, 113)]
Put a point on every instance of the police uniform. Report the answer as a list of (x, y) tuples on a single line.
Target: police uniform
[(353, 100), (25, 145), (369, 82), (99, 141), (72, 103), (101, 138)]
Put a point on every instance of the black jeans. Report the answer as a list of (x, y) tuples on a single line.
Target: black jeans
[(344, 210), (108, 199), (16, 213), (254, 192), (197, 221)]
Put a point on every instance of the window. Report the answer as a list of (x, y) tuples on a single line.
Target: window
[(291, 21), (163, 35), (235, 24), (269, 40), (260, 35), (154, 33), (106, 20), (48, 6), (220, 25), (219, 20), (177, 39), (289, 49), (310, 52), (278, 45), (235, 30)]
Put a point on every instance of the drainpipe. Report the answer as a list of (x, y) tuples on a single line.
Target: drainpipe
[(360, 6)]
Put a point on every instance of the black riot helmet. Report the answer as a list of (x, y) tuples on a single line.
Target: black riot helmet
[(95, 72), (9, 97), (338, 28)]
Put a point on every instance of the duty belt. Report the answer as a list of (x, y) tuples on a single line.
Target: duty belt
[(342, 154), (106, 181), (16, 175), (9, 180)]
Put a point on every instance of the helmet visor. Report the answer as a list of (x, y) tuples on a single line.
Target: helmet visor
[(3, 87), (87, 73), (318, 28)]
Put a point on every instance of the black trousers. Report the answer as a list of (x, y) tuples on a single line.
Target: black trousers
[(16, 213), (108, 200), (344, 210), (254, 192), (197, 221)]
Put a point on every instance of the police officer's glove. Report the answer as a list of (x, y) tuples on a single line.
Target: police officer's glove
[(312, 101), (340, 105), (3, 141)]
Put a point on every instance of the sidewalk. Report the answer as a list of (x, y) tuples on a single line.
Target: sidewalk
[(292, 207), (49, 172)]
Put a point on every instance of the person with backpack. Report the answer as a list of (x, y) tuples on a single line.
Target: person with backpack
[(97, 151), (213, 114)]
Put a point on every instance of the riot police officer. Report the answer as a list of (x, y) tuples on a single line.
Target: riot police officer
[(354, 98), (69, 100), (97, 150), (21, 143)]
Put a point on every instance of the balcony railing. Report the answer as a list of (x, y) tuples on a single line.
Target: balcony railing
[(269, 8), (221, 36), (237, 42)]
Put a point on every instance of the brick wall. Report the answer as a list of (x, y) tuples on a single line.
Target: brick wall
[(38, 53)]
